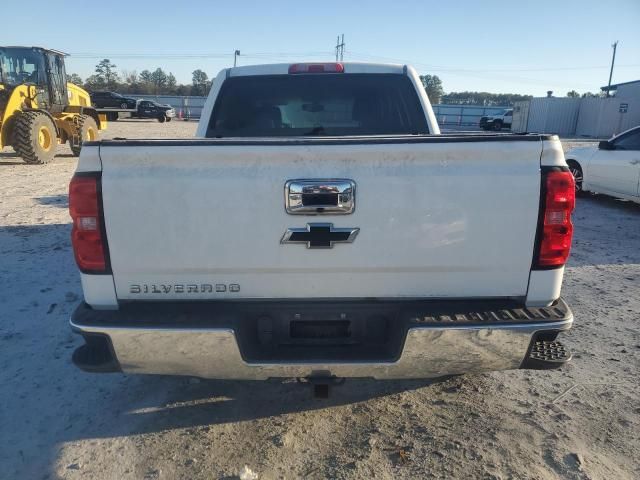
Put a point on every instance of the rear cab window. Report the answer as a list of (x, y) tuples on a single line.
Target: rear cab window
[(338, 104)]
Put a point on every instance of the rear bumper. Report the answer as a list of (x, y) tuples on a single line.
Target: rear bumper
[(209, 341)]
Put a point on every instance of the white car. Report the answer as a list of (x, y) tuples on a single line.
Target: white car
[(612, 168)]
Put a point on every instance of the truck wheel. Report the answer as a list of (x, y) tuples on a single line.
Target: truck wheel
[(87, 130), (34, 137), (112, 116), (576, 171), (161, 118), (168, 119), (497, 125)]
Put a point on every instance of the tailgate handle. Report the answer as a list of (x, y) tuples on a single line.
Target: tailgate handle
[(320, 196)]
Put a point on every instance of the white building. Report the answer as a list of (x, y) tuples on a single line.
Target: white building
[(624, 90)]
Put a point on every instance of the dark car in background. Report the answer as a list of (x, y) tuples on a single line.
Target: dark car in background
[(112, 100), (151, 109)]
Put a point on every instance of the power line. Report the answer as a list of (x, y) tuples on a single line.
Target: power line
[(498, 70), (339, 53), (489, 74), (483, 75), (192, 55)]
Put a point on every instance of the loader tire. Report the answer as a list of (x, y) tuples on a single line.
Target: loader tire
[(34, 137), (87, 131)]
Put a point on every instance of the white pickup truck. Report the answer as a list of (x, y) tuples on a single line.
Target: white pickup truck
[(321, 227), (497, 121)]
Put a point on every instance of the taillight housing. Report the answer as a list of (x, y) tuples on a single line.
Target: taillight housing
[(555, 230), (87, 235), (316, 68)]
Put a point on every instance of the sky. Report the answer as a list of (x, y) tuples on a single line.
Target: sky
[(495, 46)]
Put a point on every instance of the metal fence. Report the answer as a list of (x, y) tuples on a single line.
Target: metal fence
[(463, 115), (579, 117), (557, 115), (604, 117)]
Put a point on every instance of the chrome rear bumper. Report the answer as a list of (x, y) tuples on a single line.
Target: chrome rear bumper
[(429, 350)]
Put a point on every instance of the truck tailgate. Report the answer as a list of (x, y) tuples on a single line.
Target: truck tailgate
[(203, 219)]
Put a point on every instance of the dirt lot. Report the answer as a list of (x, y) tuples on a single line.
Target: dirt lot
[(57, 422)]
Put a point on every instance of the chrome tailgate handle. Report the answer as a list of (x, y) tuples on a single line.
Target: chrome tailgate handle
[(320, 196)]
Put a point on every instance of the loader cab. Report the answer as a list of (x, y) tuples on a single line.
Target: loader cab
[(36, 66)]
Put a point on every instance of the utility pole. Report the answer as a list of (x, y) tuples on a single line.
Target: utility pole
[(613, 60), (236, 54), (340, 48)]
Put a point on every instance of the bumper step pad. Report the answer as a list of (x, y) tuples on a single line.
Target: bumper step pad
[(545, 355)]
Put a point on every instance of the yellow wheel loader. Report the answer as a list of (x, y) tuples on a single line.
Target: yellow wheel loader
[(39, 109)]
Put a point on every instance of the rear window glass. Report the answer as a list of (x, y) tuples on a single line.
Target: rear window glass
[(317, 104)]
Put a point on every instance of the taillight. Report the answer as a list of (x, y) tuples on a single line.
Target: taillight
[(556, 230), (316, 68), (89, 245)]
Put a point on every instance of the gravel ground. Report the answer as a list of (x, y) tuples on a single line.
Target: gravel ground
[(57, 422)]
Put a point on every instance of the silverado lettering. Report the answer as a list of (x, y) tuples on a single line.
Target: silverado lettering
[(182, 288)]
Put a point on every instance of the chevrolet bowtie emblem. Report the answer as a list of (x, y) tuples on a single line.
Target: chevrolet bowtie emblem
[(320, 235)]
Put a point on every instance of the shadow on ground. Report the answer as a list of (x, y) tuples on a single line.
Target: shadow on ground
[(607, 201), (211, 402), (11, 158), (61, 201)]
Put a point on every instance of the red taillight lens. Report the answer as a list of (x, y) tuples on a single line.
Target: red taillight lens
[(86, 235), (316, 68), (556, 229)]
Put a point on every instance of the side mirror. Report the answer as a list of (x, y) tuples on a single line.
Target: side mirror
[(606, 145)]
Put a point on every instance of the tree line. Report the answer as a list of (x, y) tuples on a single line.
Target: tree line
[(574, 94), (159, 82), (433, 86), (147, 82)]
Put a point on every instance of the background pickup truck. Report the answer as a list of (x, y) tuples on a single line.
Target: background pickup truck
[(320, 227), (498, 121), (151, 109)]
